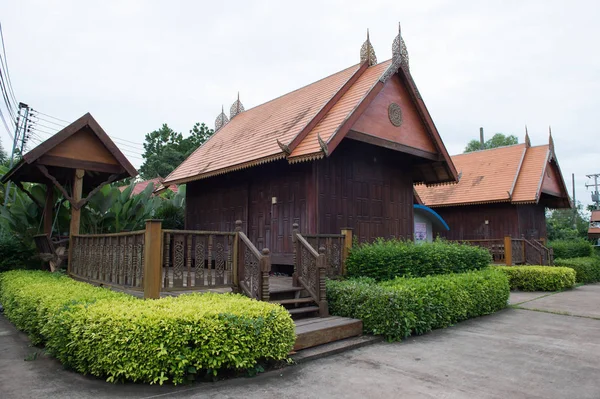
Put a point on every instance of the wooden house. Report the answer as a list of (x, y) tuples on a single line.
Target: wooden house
[(501, 192), (594, 229), (342, 152)]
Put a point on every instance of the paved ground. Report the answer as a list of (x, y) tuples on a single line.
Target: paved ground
[(516, 353)]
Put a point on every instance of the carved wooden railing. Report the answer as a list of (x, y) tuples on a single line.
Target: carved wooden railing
[(496, 247), (310, 271), (253, 269), (538, 254), (518, 251), (334, 246), (195, 260), (109, 259)]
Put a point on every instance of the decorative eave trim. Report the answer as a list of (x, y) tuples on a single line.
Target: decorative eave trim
[(245, 165), (443, 183), (283, 147), (541, 182), (308, 157), (470, 203)]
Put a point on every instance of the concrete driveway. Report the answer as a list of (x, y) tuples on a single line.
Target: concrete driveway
[(516, 353)]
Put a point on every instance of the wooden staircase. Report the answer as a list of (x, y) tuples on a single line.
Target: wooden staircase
[(311, 330)]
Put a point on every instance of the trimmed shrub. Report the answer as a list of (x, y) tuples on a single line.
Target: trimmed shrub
[(567, 249), (399, 308), (587, 269), (96, 331), (539, 278), (387, 259)]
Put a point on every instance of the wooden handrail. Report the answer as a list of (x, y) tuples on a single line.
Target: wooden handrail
[(309, 247), (249, 245), (121, 234), (323, 235), (200, 232)]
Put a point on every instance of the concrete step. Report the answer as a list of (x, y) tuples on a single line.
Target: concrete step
[(316, 331), (335, 347)]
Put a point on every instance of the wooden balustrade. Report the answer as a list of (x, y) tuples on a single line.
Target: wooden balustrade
[(109, 259), (334, 251), (516, 251), (496, 247), (310, 271), (197, 259), (253, 268)]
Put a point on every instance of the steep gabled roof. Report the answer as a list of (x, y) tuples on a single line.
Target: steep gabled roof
[(517, 174), (308, 124), (71, 148)]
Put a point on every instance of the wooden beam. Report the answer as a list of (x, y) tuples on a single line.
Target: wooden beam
[(75, 212), (367, 138), (152, 259), (52, 160), (35, 201), (49, 209)]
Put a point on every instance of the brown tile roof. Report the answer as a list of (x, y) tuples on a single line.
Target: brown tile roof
[(505, 174), (305, 124), (251, 135), (141, 186), (595, 216)]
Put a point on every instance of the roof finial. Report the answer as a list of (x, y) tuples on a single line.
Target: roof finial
[(367, 53), (550, 139), (236, 107), (527, 141), (221, 120), (399, 51)]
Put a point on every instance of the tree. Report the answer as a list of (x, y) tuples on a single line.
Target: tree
[(498, 140), (3, 156), (166, 149), (565, 224)]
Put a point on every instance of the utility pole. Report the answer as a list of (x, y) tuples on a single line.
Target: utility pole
[(574, 203), (24, 138), (595, 195), (14, 147)]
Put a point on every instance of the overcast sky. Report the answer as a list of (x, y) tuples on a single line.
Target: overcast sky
[(137, 64)]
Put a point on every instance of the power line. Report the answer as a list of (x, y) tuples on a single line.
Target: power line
[(6, 66)]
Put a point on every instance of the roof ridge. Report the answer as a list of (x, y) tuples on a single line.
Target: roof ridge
[(303, 87), (491, 149)]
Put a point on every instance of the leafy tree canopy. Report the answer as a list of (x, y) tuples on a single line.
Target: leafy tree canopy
[(498, 140), (165, 149), (3, 156), (565, 224)]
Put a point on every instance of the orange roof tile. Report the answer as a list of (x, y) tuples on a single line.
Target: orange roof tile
[(485, 176), (532, 173), (504, 174), (251, 135), (340, 111), (595, 216)]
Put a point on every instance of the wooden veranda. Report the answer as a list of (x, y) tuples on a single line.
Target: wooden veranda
[(516, 251)]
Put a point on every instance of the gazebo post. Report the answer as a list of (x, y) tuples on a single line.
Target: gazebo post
[(75, 212), (48, 209)]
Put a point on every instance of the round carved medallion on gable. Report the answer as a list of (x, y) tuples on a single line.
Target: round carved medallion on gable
[(395, 114)]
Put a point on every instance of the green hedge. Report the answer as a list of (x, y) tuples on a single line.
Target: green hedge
[(539, 278), (567, 249), (96, 331), (387, 259), (587, 269), (406, 306)]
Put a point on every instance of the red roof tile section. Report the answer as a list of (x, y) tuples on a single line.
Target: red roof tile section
[(340, 111), (250, 137), (141, 186), (505, 174)]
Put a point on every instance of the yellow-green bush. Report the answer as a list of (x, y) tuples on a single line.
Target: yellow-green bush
[(539, 278), (99, 332), (406, 306), (587, 269)]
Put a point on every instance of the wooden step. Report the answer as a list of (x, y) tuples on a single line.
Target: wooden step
[(307, 309), (292, 301), (318, 331), (283, 290)]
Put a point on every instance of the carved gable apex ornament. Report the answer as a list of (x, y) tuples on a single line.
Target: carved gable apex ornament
[(221, 120), (367, 53), (399, 57)]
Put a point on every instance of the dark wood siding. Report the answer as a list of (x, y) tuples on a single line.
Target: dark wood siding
[(366, 188), (469, 222), (360, 186)]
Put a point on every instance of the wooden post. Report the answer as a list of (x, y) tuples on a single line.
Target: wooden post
[(295, 231), (265, 270), (347, 232), (321, 270), (152, 259), (48, 209), (236, 255), (508, 250), (75, 213)]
